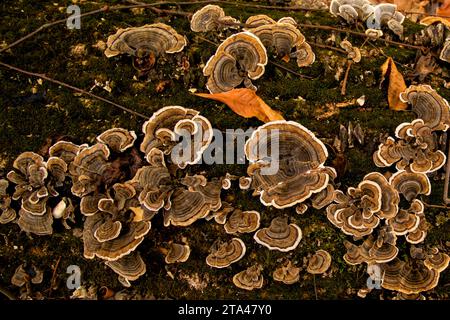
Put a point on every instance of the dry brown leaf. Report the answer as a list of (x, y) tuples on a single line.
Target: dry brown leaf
[(246, 103), (396, 84), (444, 8)]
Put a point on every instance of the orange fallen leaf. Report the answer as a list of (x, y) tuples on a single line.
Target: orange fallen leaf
[(444, 9), (396, 85), (246, 103)]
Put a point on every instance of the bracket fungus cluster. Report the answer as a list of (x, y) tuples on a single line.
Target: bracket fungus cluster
[(287, 273), (282, 35), (211, 18), (239, 59), (375, 16)]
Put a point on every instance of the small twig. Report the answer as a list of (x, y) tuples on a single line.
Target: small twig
[(315, 288), (162, 11), (53, 279), (323, 46), (437, 206), (359, 34), (47, 25), (289, 70), (344, 82), (43, 76)]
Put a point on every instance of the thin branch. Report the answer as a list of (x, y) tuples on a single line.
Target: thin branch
[(323, 46), (43, 76), (289, 70), (6, 293), (359, 34), (344, 82)]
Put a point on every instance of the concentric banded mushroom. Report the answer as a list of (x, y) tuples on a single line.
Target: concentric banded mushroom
[(8, 213), (242, 222), (129, 268), (226, 253), (249, 279), (411, 277), (287, 273), (355, 212), (299, 160), (240, 58), (416, 150), (382, 14), (153, 39), (211, 18), (187, 206), (165, 128), (410, 184), (407, 221), (177, 253), (373, 250), (428, 105), (279, 235), (351, 10), (117, 139), (319, 263)]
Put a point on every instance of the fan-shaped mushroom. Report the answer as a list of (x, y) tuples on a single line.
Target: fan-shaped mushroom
[(210, 18), (226, 253), (287, 273), (279, 235), (249, 279), (177, 253), (239, 58), (319, 263), (129, 268), (154, 39), (242, 222), (117, 139)]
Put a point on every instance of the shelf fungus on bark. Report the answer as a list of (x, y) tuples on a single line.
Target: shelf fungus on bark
[(242, 222), (382, 14), (355, 213), (239, 59), (155, 39), (380, 249), (88, 169), (185, 206), (212, 18), (165, 128), (416, 149), (117, 139), (36, 181), (410, 184), (287, 273), (429, 106), (224, 254), (299, 164), (416, 275), (249, 279), (112, 232), (129, 268), (351, 10), (279, 235), (177, 253), (407, 221), (319, 263)]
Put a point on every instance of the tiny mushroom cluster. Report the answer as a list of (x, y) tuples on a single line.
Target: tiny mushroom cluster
[(375, 16)]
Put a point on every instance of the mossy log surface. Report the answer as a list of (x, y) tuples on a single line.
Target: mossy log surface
[(34, 113)]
